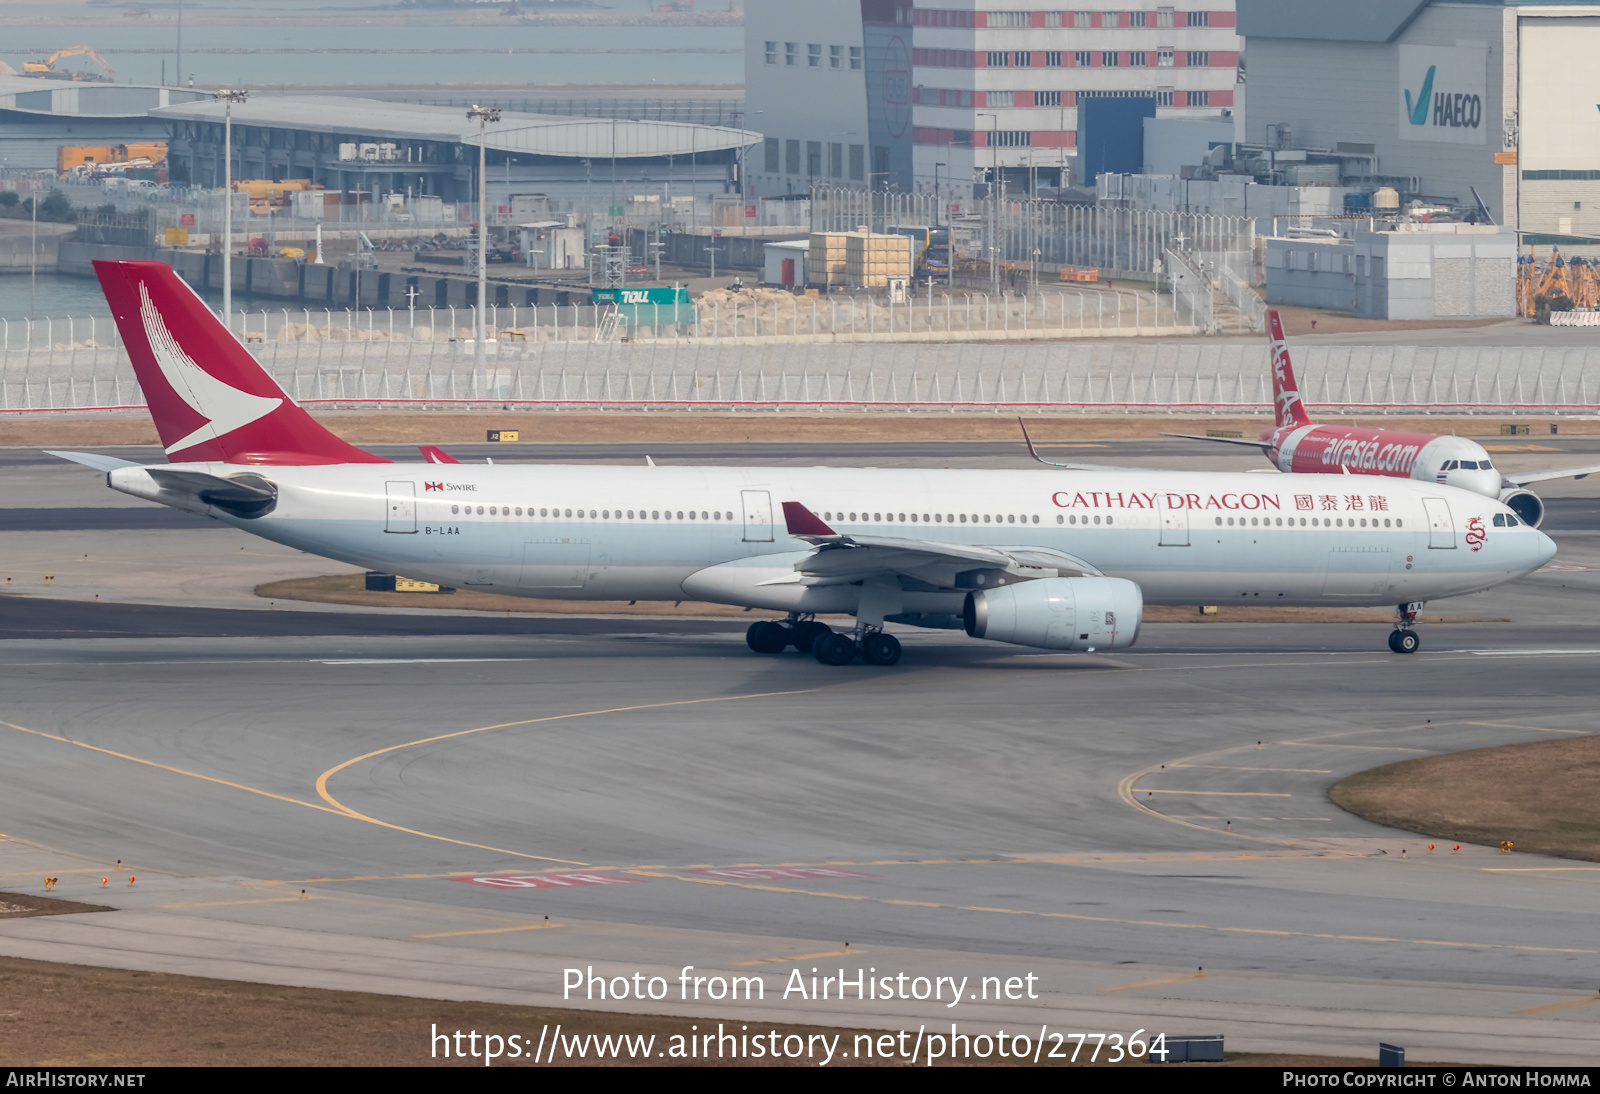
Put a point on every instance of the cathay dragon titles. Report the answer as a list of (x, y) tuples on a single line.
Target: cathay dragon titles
[(1059, 560)]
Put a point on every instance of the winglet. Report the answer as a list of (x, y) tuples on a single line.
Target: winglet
[(436, 455), (1033, 451), (803, 522)]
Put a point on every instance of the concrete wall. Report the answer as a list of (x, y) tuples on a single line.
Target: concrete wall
[(1464, 273), (18, 253), (1174, 143), (1311, 274)]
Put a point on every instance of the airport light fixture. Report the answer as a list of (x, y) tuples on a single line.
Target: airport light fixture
[(227, 97), (483, 115)]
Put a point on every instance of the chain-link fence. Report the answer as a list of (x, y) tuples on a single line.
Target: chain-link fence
[(1144, 376)]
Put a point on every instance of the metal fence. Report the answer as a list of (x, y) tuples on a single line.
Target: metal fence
[(994, 230), (1145, 377), (717, 316)]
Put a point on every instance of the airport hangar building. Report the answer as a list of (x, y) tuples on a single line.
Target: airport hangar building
[(376, 146), (1497, 95)]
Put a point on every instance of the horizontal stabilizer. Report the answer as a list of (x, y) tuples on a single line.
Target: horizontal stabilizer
[(245, 495), (93, 459)]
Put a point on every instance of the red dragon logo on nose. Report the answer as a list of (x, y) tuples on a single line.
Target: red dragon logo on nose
[(1476, 535)]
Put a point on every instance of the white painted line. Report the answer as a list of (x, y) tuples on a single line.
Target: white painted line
[(423, 660)]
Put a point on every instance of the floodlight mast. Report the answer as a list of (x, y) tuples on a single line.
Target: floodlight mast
[(483, 115), (227, 97)]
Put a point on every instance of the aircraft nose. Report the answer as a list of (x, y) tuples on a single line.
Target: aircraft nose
[(1544, 550)]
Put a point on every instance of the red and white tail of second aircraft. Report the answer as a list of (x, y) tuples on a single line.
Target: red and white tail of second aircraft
[(1297, 444)]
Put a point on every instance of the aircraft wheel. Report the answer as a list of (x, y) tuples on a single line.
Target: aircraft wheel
[(804, 635), (834, 649), (767, 637), (1407, 642), (881, 649), (1394, 641)]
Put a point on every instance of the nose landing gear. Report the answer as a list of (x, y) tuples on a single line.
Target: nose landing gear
[(1403, 639)]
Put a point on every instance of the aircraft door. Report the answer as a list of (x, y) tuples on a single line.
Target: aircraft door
[(402, 502), (757, 515), (1174, 527), (1441, 527)]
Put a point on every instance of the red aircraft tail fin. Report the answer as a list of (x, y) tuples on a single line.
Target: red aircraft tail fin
[(1287, 407), (210, 399)]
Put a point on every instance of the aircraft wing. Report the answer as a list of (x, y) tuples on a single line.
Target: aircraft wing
[(1263, 445), (845, 559), (1523, 478), (93, 459)]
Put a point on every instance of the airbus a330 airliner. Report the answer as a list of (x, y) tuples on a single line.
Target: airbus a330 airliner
[(1059, 560), (1296, 443)]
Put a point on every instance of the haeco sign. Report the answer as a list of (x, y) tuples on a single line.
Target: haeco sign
[(1442, 94)]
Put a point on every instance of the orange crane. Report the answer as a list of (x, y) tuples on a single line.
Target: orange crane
[(47, 68)]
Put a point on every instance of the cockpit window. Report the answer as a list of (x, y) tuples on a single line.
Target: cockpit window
[(1450, 465), (1485, 465)]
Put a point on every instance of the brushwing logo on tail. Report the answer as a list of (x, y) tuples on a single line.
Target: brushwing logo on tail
[(225, 408)]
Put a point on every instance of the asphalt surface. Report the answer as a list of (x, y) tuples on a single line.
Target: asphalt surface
[(1108, 823)]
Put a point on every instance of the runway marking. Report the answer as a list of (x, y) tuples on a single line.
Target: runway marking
[(489, 930), (341, 808), (1075, 917), (1215, 793), (1531, 729), (797, 957), (423, 660), (1273, 770), (1520, 448), (174, 770), (230, 903), (1568, 1005), (1364, 748), (1536, 869), (1150, 983), (1531, 653)]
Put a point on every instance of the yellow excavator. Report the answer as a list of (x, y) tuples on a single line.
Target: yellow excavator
[(46, 69)]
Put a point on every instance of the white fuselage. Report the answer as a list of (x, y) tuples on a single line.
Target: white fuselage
[(718, 533)]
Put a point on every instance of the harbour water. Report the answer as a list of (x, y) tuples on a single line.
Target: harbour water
[(367, 44)]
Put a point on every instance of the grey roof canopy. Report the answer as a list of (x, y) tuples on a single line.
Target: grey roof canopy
[(1340, 21), (522, 134)]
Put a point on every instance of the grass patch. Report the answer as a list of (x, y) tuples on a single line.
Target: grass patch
[(23, 905), (1543, 796)]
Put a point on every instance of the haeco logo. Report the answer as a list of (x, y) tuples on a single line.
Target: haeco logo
[(1450, 110)]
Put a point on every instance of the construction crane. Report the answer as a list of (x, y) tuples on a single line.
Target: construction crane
[(47, 68)]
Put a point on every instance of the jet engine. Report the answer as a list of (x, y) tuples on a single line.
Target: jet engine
[(1059, 613), (1525, 503)]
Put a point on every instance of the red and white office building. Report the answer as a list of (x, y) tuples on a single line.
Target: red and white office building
[(958, 88), (1002, 87)]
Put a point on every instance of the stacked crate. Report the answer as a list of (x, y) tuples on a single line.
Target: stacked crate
[(825, 259), (871, 260)]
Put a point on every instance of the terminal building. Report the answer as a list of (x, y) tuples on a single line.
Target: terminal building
[(376, 146), (38, 116), (911, 94), (1451, 102)]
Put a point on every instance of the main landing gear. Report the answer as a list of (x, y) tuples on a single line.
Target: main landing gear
[(1403, 639), (828, 646)]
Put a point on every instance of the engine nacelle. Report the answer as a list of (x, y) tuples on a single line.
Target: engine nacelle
[(1059, 613), (1525, 503)]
